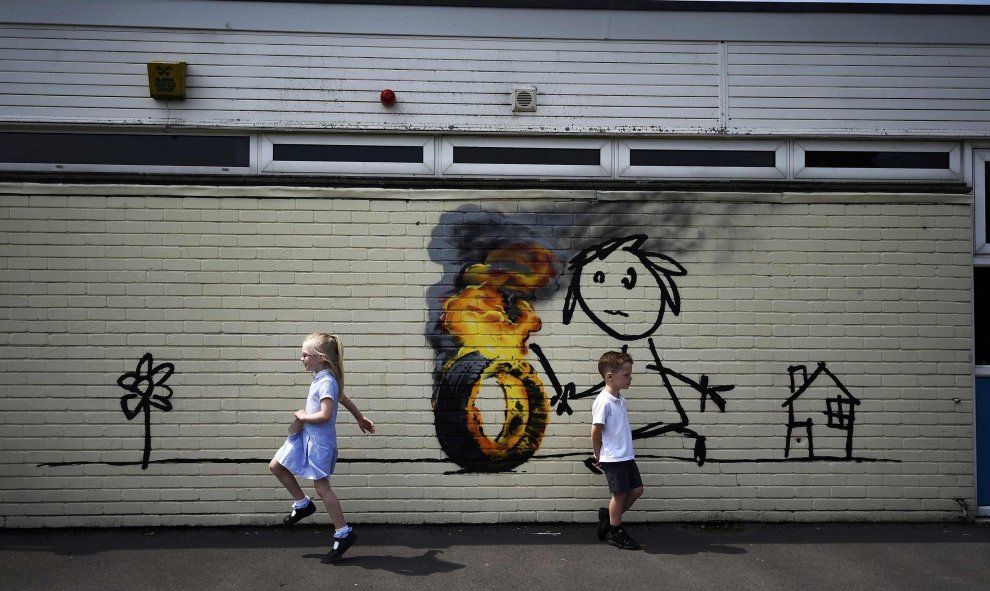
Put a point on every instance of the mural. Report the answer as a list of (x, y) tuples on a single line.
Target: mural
[(484, 321), (490, 317)]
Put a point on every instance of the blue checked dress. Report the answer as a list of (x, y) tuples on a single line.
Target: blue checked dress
[(312, 452)]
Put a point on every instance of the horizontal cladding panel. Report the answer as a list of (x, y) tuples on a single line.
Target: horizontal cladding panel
[(834, 116), (336, 100), (286, 109), (290, 65), (231, 76), (647, 54), (742, 52), (858, 93), (210, 86), (170, 38)]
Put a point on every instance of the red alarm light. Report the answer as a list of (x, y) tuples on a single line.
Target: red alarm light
[(388, 97)]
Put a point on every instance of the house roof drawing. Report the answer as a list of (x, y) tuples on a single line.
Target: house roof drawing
[(809, 380)]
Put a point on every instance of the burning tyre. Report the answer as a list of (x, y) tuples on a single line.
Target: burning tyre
[(459, 424)]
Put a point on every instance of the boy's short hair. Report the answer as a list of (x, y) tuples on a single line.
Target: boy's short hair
[(612, 361)]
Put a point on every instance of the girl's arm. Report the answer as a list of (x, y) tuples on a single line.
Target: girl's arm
[(363, 422), (323, 415)]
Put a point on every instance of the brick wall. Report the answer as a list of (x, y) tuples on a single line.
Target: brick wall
[(869, 293)]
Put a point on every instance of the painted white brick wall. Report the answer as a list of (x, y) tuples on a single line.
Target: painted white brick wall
[(224, 283)]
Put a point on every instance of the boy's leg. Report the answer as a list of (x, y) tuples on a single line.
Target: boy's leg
[(616, 507), (621, 502), (631, 497)]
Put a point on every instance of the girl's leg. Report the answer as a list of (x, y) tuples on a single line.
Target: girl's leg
[(288, 480), (331, 502)]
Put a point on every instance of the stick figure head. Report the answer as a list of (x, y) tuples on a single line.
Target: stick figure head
[(622, 288)]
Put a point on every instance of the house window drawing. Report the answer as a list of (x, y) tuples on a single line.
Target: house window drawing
[(839, 410)]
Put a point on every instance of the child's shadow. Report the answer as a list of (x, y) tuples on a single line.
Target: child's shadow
[(414, 566)]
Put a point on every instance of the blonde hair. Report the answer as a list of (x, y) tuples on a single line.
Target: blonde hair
[(331, 350)]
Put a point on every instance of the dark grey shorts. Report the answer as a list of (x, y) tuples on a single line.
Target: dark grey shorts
[(622, 476)]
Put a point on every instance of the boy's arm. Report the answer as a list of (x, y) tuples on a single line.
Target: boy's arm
[(596, 440), (363, 422)]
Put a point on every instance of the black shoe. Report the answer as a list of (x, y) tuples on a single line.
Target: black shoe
[(340, 545), (603, 522), (620, 539), (299, 514)]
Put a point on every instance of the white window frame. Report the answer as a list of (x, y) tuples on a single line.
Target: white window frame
[(424, 168), (981, 248), (776, 172), (449, 168), (803, 172), (250, 169)]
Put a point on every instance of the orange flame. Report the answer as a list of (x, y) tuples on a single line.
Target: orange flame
[(477, 314)]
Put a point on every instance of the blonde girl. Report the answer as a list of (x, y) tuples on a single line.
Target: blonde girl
[(310, 451)]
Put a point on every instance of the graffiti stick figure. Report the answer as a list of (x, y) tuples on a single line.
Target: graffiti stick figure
[(605, 278)]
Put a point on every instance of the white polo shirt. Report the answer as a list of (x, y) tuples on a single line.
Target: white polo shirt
[(610, 412)]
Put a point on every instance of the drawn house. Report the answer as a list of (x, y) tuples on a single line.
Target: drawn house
[(839, 411)]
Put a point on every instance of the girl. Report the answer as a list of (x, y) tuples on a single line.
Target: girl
[(311, 448)]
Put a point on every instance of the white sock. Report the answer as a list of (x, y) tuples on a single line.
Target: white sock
[(302, 503), (342, 532)]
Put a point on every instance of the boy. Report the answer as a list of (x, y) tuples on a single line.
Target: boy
[(611, 438)]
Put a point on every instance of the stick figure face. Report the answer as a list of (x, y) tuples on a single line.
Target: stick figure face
[(622, 288)]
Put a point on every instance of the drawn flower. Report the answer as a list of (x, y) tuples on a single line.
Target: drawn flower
[(141, 384)]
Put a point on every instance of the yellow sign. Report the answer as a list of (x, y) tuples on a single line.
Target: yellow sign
[(167, 80)]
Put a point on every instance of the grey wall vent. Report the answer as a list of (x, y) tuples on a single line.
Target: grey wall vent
[(524, 99)]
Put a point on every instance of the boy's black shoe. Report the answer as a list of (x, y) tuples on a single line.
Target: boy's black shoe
[(603, 522), (340, 545), (299, 514), (620, 539)]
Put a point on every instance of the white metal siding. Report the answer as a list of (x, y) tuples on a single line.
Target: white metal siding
[(286, 81), (332, 81), (898, 89)]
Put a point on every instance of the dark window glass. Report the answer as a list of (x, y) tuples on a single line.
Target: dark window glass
[(346, 153), (551, 156), (981, 314), (986, 205), (722, 158), (856, 159), (121, 149)]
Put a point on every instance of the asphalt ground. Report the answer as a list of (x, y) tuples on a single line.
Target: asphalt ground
[(681, 557)]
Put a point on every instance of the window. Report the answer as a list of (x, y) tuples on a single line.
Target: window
[(533, 157), (348, 154), (124, 152), (894, 161), (687, 158), (981, 222), (981, 315)]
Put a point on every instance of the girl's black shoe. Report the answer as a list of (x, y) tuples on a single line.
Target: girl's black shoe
[(299, 514), (340, 545)]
